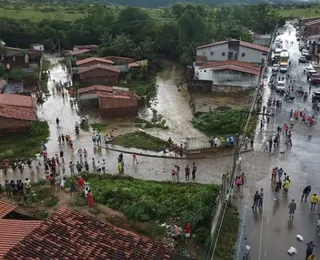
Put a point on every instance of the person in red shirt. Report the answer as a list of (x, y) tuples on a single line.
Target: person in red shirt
[(90, 199), (81, 183), (188, 229)]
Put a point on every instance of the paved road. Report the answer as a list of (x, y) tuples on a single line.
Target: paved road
[(269, 231)]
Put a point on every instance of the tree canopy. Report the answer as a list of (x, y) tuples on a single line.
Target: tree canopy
[(133, 33)]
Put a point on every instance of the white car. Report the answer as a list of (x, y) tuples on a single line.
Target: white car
[(280, 87), (283, 69), (275, 67)]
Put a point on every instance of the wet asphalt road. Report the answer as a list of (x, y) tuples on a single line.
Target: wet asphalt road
[(269, 231), (159, 169)]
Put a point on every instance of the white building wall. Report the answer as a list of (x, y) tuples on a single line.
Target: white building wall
[(250, 55), (234, 78), (214, 53), (203, 74)]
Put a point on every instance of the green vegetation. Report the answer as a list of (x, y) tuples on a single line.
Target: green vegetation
[(220, 122), (44, 83), (144, 124), (16, 75), (46, 65), (136, 33), (98, 126), (159, 202), (299, 12), (228, 235), (25, 146), (142, 88), (140, 140), (39, 12)]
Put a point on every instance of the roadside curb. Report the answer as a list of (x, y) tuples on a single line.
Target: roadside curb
[(171, 157)]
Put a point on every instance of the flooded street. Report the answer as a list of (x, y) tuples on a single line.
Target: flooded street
[(269, 231), (170, 103)]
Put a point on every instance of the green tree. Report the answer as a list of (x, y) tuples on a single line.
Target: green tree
[(2, 69), (124, 45)]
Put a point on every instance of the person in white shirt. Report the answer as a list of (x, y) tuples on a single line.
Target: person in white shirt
[(62, 184)]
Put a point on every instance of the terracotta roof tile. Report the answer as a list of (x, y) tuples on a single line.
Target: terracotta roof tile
[(76, 52), (16, 100), (119, 57), (233, 65), (84, 61), (98, 66), (5, 208), (16, 112), (241, 43), (73, 235), (312, 22), (95, 87), (138, 64), (12, 231)]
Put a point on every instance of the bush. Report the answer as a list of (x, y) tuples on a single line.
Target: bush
[(158, 202), (222, 122), (140, 140)]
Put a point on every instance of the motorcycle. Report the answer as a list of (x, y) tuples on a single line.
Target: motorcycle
[(300, 92)]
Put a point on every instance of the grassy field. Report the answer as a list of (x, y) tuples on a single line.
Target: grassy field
[(70, 12), (300, 12), (40, 12)]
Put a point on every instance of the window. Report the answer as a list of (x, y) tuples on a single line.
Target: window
[(223, 54), (212, 53), (204, 53), (205, 70), (243, 54)]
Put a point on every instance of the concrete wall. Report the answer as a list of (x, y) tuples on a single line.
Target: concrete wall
[(100, 76), (214, 53), (10, 125), (233, 78)]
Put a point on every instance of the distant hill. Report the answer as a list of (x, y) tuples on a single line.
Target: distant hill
[(165, 3)]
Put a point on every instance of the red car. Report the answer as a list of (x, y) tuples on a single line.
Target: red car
[(315, 79)]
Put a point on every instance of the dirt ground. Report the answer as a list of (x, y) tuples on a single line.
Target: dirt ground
[(203, 102)]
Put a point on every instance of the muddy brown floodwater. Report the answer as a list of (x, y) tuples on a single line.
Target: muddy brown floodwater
[(173, 105)]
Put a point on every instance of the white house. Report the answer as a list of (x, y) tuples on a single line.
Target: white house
[(228, 73), (37, 47), (232, 50)]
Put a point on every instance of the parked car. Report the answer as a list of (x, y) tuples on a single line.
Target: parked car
[(275, 67), (302, 59), (315, 96), (315, 79), (280, 87), (283, 68)]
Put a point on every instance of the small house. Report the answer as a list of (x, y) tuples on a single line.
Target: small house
[(112, 102), (96, 74), (93, 61), (37, 47), (17, 112)]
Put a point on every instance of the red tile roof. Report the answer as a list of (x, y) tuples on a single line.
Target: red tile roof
[(95, 88), (22, 113), (233, 65), (312, 22), (5, 208), (98, 66), (84, 61), (12, 231), (18, 107), (138, 64), (76, 52), (119, 57), (241, 43), (16, 100), (73, 235)]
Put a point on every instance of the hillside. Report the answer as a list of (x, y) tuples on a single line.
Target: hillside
[(165, 3)]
